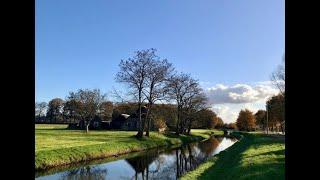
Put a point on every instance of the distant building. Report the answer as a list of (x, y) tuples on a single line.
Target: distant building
[(128, 122), (131, 122)]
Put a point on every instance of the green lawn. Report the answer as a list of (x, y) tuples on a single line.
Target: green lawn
[(56, 145), (255, 156)]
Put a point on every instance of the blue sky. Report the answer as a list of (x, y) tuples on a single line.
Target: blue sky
[(79, 44)]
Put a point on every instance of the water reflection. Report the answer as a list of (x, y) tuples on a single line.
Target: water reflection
[(153, 164), (85, 173), (141, 163)]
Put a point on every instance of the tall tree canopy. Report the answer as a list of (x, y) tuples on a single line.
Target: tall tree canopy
[(205, 119), (246, 120), (133, 72), (87, 103), (157, 74), (189, 97), (276, 110), (261, 118), (55, 110)]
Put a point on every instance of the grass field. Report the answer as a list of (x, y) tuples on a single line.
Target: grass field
[(56, 145), (255, 156)]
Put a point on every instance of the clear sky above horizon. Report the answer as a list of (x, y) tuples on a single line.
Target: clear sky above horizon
[(79, 44)]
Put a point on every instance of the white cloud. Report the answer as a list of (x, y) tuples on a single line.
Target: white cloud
[(225, 112), (229, 112), (227, 101), (220, 109), (240, 93)]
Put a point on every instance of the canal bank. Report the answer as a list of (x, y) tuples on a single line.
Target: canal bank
[(255, 156), (158, 163), (58, 146)]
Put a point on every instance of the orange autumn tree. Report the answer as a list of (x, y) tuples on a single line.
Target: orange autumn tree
[(215, 122), (246, 120)]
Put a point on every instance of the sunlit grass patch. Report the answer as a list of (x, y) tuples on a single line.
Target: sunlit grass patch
[(51, 126), (255, 156), (57, 146)]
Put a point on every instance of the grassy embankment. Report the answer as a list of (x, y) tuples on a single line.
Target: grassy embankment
[(255, 156), (56, 145)]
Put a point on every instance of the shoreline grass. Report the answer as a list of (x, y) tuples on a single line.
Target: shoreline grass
[(56, 146), (255, 156)]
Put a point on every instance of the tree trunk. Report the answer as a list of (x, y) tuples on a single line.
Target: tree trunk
[(148, 127), (148, 119), (143, 121), (87, 127), (181, 123), (183, 126), (178, 121), (189, 126), (141, 124)]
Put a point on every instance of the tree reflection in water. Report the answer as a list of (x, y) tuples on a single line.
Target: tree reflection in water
[(191, 156), (207, 147), (85, 173), (141, 163), (186, 158), (153, 164)]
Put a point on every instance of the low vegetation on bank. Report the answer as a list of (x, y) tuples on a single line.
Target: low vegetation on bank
[(255, 156), (56, 145)]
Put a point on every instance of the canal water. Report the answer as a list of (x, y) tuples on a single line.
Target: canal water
[(161, 163)]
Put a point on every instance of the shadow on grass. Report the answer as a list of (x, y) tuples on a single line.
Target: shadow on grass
[(278, 152), (228, 164)]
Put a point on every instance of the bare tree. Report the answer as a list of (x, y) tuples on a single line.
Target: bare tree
[(156, 76), (175, 91), (194, 103), (123, 97), (278, 77), (133, 72), (88, 103), (185, 91)]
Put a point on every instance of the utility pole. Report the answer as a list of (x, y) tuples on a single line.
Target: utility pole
[(267, 119)]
